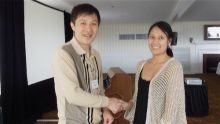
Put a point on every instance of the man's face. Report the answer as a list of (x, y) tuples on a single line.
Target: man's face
[(85, 27)]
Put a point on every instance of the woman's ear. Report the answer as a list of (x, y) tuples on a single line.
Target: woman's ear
[(170, 41), (72, 25)]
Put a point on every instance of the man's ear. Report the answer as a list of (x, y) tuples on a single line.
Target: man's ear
[(72, 25)]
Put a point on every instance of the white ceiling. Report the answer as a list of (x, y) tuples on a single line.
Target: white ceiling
[(120, 11)]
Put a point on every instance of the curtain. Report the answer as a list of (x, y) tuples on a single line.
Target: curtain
[(13, 62)]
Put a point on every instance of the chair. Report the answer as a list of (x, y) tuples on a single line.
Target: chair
[(121, 86)]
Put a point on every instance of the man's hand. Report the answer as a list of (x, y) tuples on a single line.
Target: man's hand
[(107, 116)]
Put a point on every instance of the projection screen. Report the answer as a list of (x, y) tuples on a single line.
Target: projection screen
[(44, 32)]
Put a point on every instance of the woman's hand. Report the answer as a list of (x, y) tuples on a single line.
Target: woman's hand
[(128, 105)]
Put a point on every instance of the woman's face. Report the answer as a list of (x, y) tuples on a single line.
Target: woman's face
[(158, 41)]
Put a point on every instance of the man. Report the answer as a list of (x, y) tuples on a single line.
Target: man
[(78, 74)]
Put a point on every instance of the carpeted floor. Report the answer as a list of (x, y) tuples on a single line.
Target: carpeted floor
[(213, 83)]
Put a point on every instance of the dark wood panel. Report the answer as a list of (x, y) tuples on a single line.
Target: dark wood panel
[(210, 62)]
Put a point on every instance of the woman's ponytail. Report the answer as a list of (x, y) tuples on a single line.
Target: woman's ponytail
[(169, 52)]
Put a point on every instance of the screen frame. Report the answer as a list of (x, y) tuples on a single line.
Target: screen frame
[(206, 27)]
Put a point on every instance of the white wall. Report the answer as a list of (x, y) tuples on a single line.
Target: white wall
[(126, 54)]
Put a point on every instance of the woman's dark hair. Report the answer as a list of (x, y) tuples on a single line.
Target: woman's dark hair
[(84, 8), (166, 28)]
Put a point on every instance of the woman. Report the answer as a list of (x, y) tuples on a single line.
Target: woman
[(159, 88)]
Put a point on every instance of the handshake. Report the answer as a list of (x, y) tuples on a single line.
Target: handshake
[(115, 105), (118, 105)]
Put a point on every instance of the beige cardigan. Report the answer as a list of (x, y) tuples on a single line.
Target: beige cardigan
[(73, 101), (166, 100)]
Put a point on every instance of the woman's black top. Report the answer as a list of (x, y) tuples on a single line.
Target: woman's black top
[(141, 103)]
